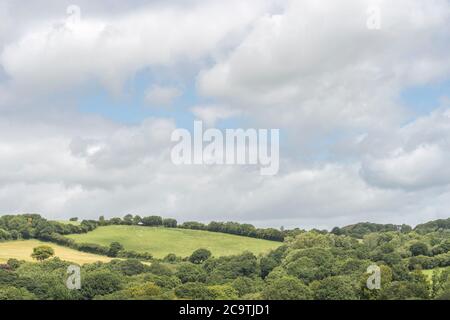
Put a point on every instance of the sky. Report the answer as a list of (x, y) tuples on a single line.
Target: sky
[(90, 92)]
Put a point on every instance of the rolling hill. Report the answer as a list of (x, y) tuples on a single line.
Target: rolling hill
[(182, 242)]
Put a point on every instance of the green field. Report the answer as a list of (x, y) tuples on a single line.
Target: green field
[(22, 250), (162, 241)]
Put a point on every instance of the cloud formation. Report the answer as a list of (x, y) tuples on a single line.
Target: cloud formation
[(161, 96), (351, 149)]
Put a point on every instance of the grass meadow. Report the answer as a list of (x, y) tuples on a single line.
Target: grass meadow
[(182, 242), (22, 250)]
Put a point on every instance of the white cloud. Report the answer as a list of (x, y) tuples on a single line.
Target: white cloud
[(312, 69), (415, 158), (128, 169), (111, 49), (211, 114), (316, 67), (161, 96)]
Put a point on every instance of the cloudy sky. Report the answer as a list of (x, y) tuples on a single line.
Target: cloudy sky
[(89, 99)]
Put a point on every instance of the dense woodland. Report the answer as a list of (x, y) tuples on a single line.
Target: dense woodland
[(312, 264)]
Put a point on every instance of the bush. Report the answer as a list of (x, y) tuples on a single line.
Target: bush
[(245, 285), (13, 264), (12, 293), (286, 288), (42, 253), (223, 292), (152, 221), (131, 267), (419, 249), (134, 255), (114, 249), (200, 256), (189, 272), (100, 283), (93, 248), (171, 258), (194, 291), (160, 269), (145, 291), (335, 288), (170, 223), (5, 235)]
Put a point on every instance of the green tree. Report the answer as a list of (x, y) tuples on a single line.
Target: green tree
[(304, 268), (137, 220), (102, 221), (310, 240), (13, 293), (114, 249), (200, 256), (194, 291), (444, 292), (439, 281), (335, 288), (286, 288), (42, 253), (160, 269), (189, 272), (404, 290), (152, 221), (419, 249), (131, 267), (128, 219), (170, 223), (100, 283), (145, 291), (14, 264), (245, 285), (5, 235), (267, 264), (223, 292), (385, 281), (171, 258)]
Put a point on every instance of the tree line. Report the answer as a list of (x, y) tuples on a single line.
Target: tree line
[(246, 230)]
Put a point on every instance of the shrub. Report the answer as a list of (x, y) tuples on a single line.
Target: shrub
[(200, 256), (114, 249), (152, 221), (194, 291), (170, 223), (100, 283), (189, 272), (286, 288), (42, 253)]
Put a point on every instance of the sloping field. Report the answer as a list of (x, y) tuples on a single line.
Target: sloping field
[(22, 250), (162, 241)]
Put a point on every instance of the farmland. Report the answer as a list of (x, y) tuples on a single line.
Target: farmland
[(182, 242), (22, 249)]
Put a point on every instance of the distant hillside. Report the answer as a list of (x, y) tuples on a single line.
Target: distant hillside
[(161, 241), (441, 224), (359, 230)]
